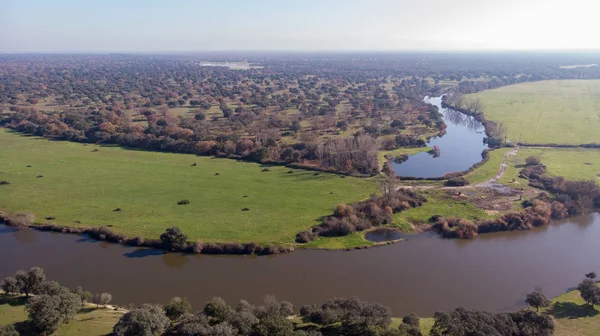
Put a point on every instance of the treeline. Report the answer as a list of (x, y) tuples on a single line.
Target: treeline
[(353, 155), (570, 198), (50, 305)]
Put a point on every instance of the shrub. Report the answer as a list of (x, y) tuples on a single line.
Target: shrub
[(533, 160), (4, 182), (305, 237), (20, 220), (183, 202), (457, 182)]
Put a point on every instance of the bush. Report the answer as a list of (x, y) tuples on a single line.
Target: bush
[(20, 220), (305, 237), (533, 160), (4, 182), (184, 202), (457, 182)]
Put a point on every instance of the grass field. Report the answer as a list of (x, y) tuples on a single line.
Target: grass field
[(489, 169), (573, 164), (439, 204), (82, 184), (573, 317), (89, 321), (557, 111)]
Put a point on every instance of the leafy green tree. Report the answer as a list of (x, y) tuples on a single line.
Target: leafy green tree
[(103, 299), (173, 239), (244, 321), (30, 282), (177, 308), (10, 285), (274, 326), (50, 288), (589, 291), (84, 295), (537, 299), (410, 325), (533, 324), (147, 320), (8, 330), (217, 310), (48, 312)]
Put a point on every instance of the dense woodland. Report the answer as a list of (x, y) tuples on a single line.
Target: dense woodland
[(322, 111), (49, 305)]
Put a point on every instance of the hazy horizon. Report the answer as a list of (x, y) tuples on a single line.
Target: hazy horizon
[(153, 26)]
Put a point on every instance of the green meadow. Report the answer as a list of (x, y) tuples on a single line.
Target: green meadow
[(572, 163), (545, 112), (83, 184)]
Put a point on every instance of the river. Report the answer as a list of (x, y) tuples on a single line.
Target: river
[(460, 147), (422, 275)]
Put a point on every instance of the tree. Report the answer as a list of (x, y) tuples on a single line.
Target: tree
[(533, 324), (8, 330), (84, 295), (217, 310), (274, 326), (10, 285), (103, 299), (50, 288), (173, 239), (589, 291), (177, 308), (537, 299), (147, 320), (461, 321), (296, 126), (533, 160), (591, 275), (47, 312), (342, 124), (410, 325), (30, 282)]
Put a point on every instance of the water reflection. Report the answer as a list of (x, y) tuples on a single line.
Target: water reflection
[(175, 260), (461, 147), (385, 235), (25, 236), (462, 119)]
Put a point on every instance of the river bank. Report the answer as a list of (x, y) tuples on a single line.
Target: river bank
[(403, 276)]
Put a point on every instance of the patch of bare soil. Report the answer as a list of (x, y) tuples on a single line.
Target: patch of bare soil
[(492, 200)]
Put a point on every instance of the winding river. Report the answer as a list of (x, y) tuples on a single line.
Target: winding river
[(422, 275), (459, 148)]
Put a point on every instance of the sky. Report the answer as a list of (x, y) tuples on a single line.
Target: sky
[(303, 25)]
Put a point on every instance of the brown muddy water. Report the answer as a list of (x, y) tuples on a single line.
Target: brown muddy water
[(422, 275)]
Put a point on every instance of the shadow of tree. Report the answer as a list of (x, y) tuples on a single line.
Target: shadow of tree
[(25, 328), (13, 300), (572, 310)]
